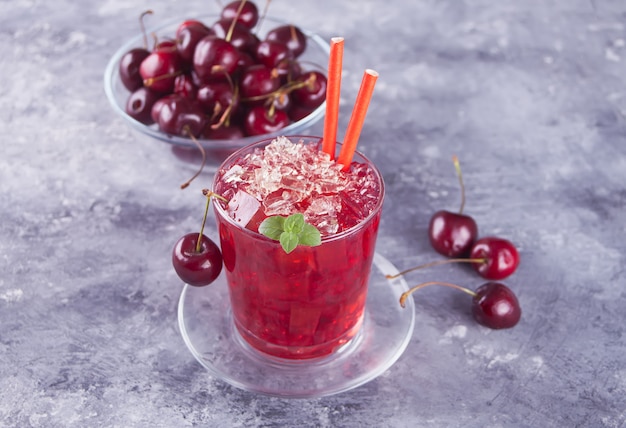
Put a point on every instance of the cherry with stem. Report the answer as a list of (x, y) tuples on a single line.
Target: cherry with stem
[(494, 305), (492, 258), (197, 260), (453, 234)]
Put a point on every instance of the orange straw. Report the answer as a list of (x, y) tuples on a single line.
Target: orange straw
[(333, 89), (358, 117)]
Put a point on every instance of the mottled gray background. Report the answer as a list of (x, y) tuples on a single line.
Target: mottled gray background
[(531, 95)]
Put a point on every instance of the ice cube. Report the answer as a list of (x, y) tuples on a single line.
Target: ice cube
[(246, 210)]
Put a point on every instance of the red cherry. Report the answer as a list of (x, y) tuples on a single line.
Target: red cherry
[(178, 115), (159, 70), (214, 57), (129, 68), (258, 81), (271, 53), (500, 257), (261, 121), (291, 36), (184, 86), (246, 14), (452, 234), (197, 267), (140, 103), (312, 93), (237, 34), (496, 306), (188, 34)]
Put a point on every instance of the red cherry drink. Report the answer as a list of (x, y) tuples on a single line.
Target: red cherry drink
[(308, 303)]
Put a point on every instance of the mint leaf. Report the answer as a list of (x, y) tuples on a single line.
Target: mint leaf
[(272, 227), (294, 223), (290, 231), (289, 241), (310, 236)]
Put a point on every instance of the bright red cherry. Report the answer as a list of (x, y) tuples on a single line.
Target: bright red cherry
[(500, 256), (496, 306), (197, 267)]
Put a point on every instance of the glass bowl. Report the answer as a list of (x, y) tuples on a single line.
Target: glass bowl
[(315, 57)]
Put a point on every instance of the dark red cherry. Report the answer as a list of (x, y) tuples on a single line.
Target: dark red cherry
[(129, 68), (215, 97), (188, 35), (496, 306), (184, 86), (159, 70), (238, 35), (179, 115), (290, 36), (501, 258), (139, 105), (197, 268), (156, 108), (452, 234), (214, 57), (260, 120), (313, 91), (258, 81), (246, 14), (271, 53)]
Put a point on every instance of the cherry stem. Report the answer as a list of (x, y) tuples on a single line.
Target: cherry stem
[(285, 89), (206, 213), (152, 80), (143, 27), (436, 263), (225, 117), (231, 29), (202, 151), (262, 18), (210, 193), (457, 167), (407, 293)]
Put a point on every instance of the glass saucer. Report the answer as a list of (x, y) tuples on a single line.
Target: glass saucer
[(207, 327)]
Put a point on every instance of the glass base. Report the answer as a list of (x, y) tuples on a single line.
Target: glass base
[(208, 329)]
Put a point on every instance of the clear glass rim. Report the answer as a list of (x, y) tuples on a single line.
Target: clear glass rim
[(219, 209)]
